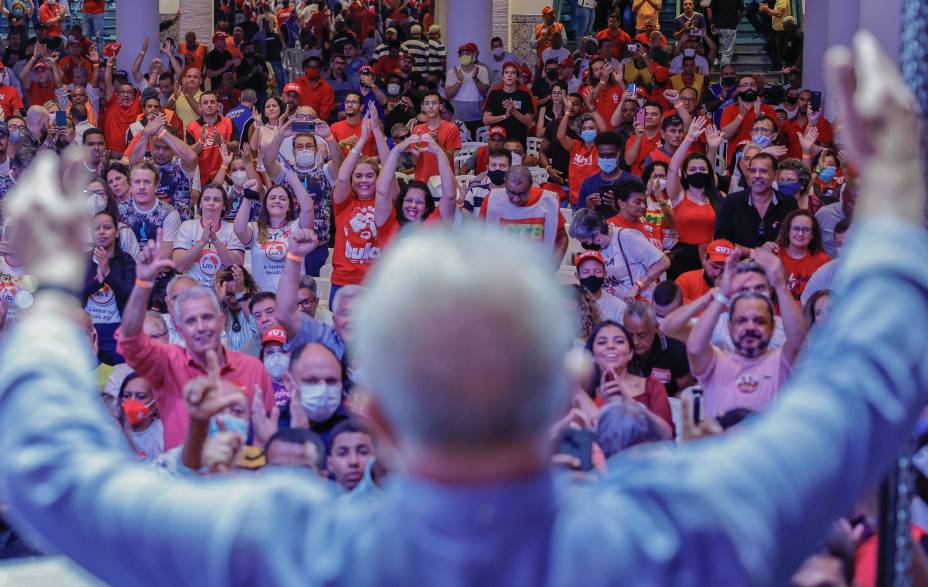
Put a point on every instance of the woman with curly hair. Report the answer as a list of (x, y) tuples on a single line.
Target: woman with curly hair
[(800, 249)]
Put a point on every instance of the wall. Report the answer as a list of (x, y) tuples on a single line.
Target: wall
[(197, 16), (168, 6)]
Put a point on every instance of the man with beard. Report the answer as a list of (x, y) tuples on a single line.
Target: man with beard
[(738, 119), (752, 375), (251, 73), (696, 283)]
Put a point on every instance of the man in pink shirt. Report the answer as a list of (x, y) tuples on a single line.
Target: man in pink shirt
[(168, 367), (751, 376)]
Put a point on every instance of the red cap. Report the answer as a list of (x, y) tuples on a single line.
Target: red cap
[(274, 334), (293, 87), (497, 130), (587, 255), (719, 250), (510, 64), (643, 38), (661, 74), (218, 35), (469, 48), (547, 10)]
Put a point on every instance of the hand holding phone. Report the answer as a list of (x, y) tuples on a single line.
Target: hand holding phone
[(61, 118), (578, 444)]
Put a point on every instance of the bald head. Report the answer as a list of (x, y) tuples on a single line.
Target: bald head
[(492, 371)]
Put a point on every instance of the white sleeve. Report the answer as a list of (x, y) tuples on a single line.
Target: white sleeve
[(451, 77), (194, 178), (185, 234), (171, 226), (231, 239), (639, 248), (128, 242), (483, 74)]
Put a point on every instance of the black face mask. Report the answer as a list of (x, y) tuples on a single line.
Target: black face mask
[(729, 81), (591, 50), (496, 176), (792, 99), (748, 96), (592, 283), (591, 246), (697, 180), (551, 75)]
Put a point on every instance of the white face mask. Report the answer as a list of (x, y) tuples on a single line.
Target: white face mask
[(305, 158), (393, 89), (96, 203), (239, 177), (516, 159), (498, 52), (320, 400), (277, 364)]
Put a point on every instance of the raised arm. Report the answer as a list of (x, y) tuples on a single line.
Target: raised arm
[(151, 261), (566, 141), (447, 204), (302, 242), (242, 230), (343, 181), (386, 180), (302, 196), (699, 342), (674, 189), (137, 63), (794, 323)]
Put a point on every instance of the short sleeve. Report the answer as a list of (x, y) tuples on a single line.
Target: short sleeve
[(171, 226), (186, 235), (232, 242), (645, 253)]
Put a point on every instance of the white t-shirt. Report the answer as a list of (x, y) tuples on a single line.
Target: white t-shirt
[(552, 53), (151, 440), (267, 258), (101, 305), (496, 67), (611, 307), (468, 91), (9, 286), (640, 255), (205, 268), (702, 66)]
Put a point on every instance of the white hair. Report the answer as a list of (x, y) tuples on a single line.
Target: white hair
[(348, 292), (464, 338), (195, 293)]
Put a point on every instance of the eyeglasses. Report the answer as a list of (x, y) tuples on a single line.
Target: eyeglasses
[(416, 201), (306, 302), (352, 101), (800, 229)]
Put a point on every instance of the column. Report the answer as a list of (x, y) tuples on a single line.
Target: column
[(465, 22), (197, 16), (136, 20)]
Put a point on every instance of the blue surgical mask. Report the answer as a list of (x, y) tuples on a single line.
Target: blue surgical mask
[(608, 165), (762, 141), (827, 175), (788, 188), (230, 423), (588, 136)]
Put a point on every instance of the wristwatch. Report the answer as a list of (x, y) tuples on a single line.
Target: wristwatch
[(242, 297), (720, 298)]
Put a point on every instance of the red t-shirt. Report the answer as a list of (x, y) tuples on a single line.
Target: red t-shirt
[(695, 222), (483, 159), (647, 145), (321, 97), (608, 100), (68, 65), (692, 284), (359, 241), (619, 39), (654, 233), (584, 162), (386, 65), (448, 137), (48, 12), (799, 271), (533, 196), (116, 121), (93, 6), (10, 100), (343, 129), (744, 131), (211, 156), (282, 14), (197, 55)]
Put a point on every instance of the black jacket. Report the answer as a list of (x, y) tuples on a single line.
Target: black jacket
[(121, 278)]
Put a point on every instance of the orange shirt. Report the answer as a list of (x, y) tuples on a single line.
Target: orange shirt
[(541, 30), (825, 132), (320, 96), (654, 233), (483, 159), (343, 129), (10, 100), (211, 156), (359, 241), (48, 12), (116, 121), (647, 145), (798, 271), (608, 100), (692, 284), (584, 162), (197, 55), (448, 137), (68, 65), (695, 222), (619, 39)]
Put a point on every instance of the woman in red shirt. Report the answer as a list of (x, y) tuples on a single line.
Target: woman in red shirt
[(583, 157), (800, 249), (364, 217), (611, 346), (415, 204), (692, 190)]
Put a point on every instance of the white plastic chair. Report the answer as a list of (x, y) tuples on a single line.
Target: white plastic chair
[(325, 272), (539, 175), (482, 134), (464, 181), (405, 177), (323, 288), (469, 148), (532, 146), (458, 161)]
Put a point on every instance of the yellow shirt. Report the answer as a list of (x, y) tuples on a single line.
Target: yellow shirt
[(647, 14), (184, 111), (676, 81), (776, 22)]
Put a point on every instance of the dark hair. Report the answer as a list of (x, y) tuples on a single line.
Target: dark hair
[(673, 120), (809, 308), (712, 189), (751, 295), (264, 217), (649, 170), (114, 216), (815, 245), (764, 118), (597, 375), (346, 427), (429, 201), (586, 223), (560, 84), (310, 59), (92, 131), (609, 138), (666, 292), (842, 226), (653, 104), (733, 417), (299, 436), (802, 171), (628, 185), (280, 106), (764, 155), (260, 297), (118, 166), (225, 198), (496, 152)]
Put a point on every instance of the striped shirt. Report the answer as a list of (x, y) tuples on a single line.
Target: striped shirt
[(437, 54), (418, 49)]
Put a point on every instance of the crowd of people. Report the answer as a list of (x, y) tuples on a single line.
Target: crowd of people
[(236, 208)]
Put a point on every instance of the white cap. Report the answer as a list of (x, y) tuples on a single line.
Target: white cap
[(114, 381)]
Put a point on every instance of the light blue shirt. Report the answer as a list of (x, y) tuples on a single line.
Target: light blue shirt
[(741, 509)]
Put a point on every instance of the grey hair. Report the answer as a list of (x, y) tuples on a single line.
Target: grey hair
[(492, 370), (349, 292), (195, 293), (587, 224), (639, 309), (309, 282), (249, 96), (519, 173), (624, 423), (175, 280), (749, 295)]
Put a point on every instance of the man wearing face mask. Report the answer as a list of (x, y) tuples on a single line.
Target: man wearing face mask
[(498, 162), (318, 373), (314, 90), (738, 119), (751, 376), (722, 94), (277, 363), (830, 216), (477, 163), (467, 86), (608, 148), (541, 89), (591, 273), (499, 58)]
